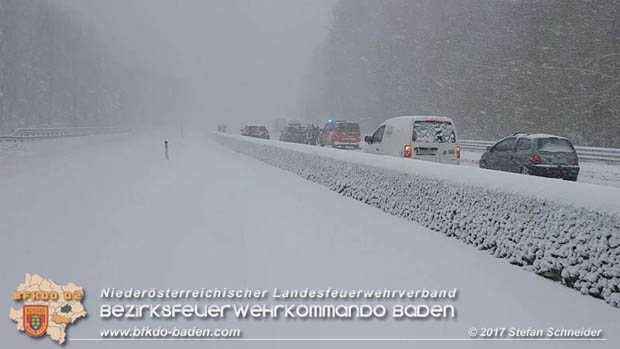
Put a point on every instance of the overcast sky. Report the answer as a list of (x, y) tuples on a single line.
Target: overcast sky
[(245, 59)]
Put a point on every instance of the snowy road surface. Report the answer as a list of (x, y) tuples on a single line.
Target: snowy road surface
[(107, 211)]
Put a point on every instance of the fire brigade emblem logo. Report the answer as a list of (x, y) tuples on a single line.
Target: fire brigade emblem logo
[(47, 308), (36, 319)]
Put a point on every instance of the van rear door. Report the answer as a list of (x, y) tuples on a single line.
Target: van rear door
[(434, 140)]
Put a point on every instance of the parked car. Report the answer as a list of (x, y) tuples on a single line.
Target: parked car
[(340, 134), (417, 137), (535, 154), (298, 133), (255, 131)]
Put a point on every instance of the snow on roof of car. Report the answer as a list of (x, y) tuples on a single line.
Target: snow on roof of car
[(544, 135), (421, 118)]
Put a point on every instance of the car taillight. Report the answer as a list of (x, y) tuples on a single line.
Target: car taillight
[(536, 159), (575, 160), (408, 150), (458, 152)]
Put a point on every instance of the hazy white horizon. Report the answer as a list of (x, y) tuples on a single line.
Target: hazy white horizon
[(238, 61)]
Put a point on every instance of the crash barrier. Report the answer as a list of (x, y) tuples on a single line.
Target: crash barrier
[(31, 134), (565, 231), (585, 153)]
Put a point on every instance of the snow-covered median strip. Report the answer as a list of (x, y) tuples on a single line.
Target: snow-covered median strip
[(566, 231)]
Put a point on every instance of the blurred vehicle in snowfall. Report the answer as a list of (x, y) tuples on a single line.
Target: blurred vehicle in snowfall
[(298, 133), (430, 138), (534, 154), (340, 134), (255, 131)]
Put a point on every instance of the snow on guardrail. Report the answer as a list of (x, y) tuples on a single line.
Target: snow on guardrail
[(565, 231), (30, 134), (587, 153)]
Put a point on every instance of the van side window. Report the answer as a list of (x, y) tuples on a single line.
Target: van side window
[(506, 145), (524, 144), (378, 135)]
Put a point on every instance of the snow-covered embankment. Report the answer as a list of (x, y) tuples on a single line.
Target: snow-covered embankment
[(565, 231)]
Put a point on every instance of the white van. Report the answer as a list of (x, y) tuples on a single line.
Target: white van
[(431, 138)]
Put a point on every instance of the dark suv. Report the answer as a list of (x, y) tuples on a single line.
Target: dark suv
[(255, 131), (534, 154), (298, 133)]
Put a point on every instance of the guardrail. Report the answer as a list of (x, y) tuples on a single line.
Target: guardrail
[(586, 153), (476, 145), (32, 134)]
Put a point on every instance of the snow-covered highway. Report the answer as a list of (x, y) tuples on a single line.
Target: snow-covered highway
[(108, 211)]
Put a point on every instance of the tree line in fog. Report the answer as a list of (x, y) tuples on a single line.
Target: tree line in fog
[(54, 73), (496, 67)]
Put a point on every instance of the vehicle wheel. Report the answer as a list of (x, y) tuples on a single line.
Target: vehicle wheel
[(525, 171)]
